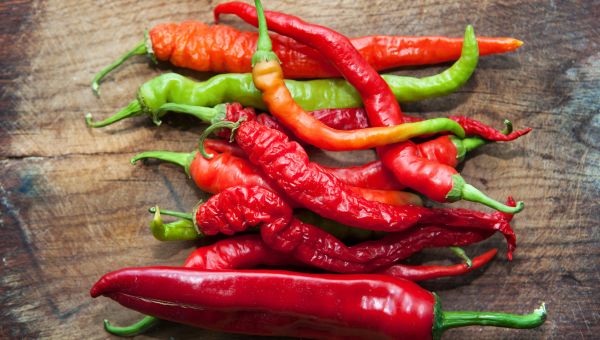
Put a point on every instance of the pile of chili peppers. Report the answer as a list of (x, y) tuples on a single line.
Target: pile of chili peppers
[(342, 230)]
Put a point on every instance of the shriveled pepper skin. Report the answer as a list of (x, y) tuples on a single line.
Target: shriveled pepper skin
[(287, 164), (236, 209), (277, 303), (248, 251), (224, 49)]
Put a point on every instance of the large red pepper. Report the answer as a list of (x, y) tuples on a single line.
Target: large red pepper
[(282, 303), (445, 186), (249, 251)]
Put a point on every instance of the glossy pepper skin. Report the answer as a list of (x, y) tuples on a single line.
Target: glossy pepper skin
[(224, 49), (287, 164), (283, 303), (379, 102), (237, 209)]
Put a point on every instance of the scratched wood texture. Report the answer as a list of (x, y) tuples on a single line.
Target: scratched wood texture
[(73, 208)]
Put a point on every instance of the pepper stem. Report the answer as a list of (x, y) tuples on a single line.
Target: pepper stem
[(132, 330), (462, 319), (180, 158), (458, 251), (264, 48), (462, 190), (215, 126), (205, 114), (181, 230), (133, 109), (179, 214), (139, 49)]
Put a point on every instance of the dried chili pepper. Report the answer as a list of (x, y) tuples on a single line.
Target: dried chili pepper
[(283, 303), (443, 183), (308, 184), (174, 92), (192, 45), (227, 170), (236, 209)]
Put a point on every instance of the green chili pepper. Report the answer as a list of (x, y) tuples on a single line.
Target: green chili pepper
[(154, 96)]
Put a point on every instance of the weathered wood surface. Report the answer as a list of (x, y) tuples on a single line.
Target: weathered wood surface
[(72, 208)]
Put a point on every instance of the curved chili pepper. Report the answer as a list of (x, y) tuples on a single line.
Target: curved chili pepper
[(227, 170), (308, 184), (191, 45), (283, 303), (154, 98), (382, 109)]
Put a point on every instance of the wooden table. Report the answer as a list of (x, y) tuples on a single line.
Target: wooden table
[(73, 208)]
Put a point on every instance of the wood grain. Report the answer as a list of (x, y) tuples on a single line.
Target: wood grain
[(72, 208)]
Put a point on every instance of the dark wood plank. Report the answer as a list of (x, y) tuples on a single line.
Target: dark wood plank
[(72, 208)]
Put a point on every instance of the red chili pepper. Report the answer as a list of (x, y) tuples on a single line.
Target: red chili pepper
[(381, 106), (444, 149), (236, 209), (308, 184), (227, 170), (224, 49), (281, 303)]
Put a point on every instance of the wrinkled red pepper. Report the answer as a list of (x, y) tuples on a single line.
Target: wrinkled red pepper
[(309, 185)]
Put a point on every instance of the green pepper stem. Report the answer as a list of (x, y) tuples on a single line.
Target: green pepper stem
[(181, 230), (180, 158), (462, 190), (216, 126), (133, 109), (139, 49), (205, 114), (470, 193), (462, 319), (264, 47), (132, 330), (179, 214), (458, 251), (472, 143)]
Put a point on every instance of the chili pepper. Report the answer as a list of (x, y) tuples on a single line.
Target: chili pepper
[(248, 251), (447, 150), (381, 107), (283, 303), (155, 96), (192, 45), (308, 184), (268, 78), (236, 209), (227, 170)]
